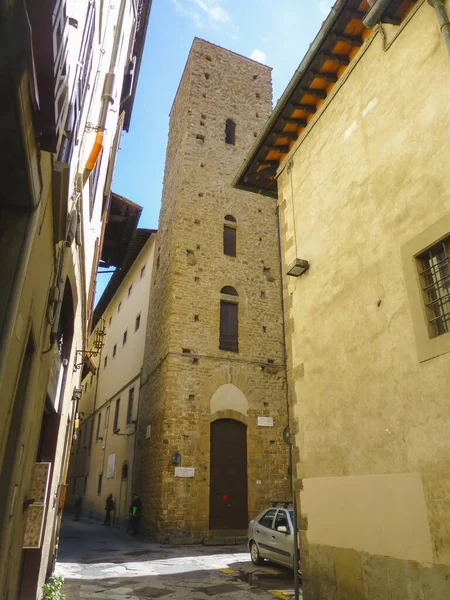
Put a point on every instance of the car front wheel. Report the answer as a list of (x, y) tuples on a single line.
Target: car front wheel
[(254, 554)]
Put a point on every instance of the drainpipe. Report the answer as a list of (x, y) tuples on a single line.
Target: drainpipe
[(291, 463), (443, 19), (107, 97), (375, 12)]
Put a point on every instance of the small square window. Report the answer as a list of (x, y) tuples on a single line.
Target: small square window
[(142, 271), (137, 323), (114, 350), (130, 289), (434, 271), (124, 340), (119, 306)]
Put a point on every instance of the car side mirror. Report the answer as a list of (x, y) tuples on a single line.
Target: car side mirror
[(282, 529)]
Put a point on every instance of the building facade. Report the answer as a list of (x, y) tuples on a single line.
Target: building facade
[(63, 70), (102, 456), (363, 197), (213, 399)]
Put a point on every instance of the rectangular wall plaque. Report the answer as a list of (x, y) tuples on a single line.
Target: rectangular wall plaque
[(184, 471), (265, 421)]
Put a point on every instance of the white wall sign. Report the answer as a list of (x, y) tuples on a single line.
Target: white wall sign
[(111, 466), (184, 471), (265, 421)]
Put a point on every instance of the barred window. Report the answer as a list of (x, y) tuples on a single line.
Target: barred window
[(434, 268)]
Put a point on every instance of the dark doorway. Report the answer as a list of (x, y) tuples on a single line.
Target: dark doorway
[(228, 483)]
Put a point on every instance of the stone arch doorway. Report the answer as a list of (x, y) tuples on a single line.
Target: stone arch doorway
[(228, 507)]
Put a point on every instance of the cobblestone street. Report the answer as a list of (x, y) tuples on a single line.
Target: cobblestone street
[(105, 563)]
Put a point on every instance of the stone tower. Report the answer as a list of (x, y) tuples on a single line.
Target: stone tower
[(210, 450)]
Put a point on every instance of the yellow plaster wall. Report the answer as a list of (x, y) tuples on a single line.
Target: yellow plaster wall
[(100, 393), (367, 178)]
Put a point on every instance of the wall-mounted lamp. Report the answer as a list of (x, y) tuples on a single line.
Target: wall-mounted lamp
[(117, 432), (76, 394), (298, 267), (176, 458)]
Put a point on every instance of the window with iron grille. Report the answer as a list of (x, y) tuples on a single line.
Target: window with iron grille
[(434, 268), (130, 405), (228, 338)]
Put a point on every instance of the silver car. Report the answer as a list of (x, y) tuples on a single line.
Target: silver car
[(271, 536)]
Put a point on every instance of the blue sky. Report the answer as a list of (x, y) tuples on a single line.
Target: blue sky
[(276, 33)]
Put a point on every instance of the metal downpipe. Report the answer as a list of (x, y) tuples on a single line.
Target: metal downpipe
[(107, 97), (375, 12), (443, 19)]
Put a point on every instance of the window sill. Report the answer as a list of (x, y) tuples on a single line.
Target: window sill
[(427, 348)]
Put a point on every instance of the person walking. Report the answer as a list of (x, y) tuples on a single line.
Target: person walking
[(135, 514), (109, 507), (77, 507)]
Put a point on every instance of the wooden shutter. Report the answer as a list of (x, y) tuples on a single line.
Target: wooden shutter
[(228, 326), (229, 240)]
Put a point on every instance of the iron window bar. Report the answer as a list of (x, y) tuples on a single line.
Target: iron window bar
[(437, 288)]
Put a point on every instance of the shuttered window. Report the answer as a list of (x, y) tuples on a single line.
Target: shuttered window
[(130, 405), (116, 415), (228, 326), (80, 87)]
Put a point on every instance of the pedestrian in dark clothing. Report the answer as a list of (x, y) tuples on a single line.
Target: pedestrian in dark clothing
[(77, 507), (109, 506), (135, 514)]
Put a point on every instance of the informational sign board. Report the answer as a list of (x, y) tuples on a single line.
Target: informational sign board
[(184, 472), (265, 421), (111, 466)]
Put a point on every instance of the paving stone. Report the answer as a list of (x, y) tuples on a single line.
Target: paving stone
[(223, 588)]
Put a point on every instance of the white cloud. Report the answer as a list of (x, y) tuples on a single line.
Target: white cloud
[(201, 10), (325, 7), (258, 55)]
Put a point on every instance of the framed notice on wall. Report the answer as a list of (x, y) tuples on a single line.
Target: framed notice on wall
[(35, 513), (111, 466)]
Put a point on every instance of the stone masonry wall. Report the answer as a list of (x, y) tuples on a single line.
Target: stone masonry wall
[(183, 365)]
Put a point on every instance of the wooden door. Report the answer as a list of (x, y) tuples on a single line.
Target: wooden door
[(228, 479)]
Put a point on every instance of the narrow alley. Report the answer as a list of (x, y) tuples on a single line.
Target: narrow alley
[(105, 563)]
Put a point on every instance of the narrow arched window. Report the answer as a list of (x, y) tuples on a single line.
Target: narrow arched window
[(229, 236), (230, 132), (228, 338)]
